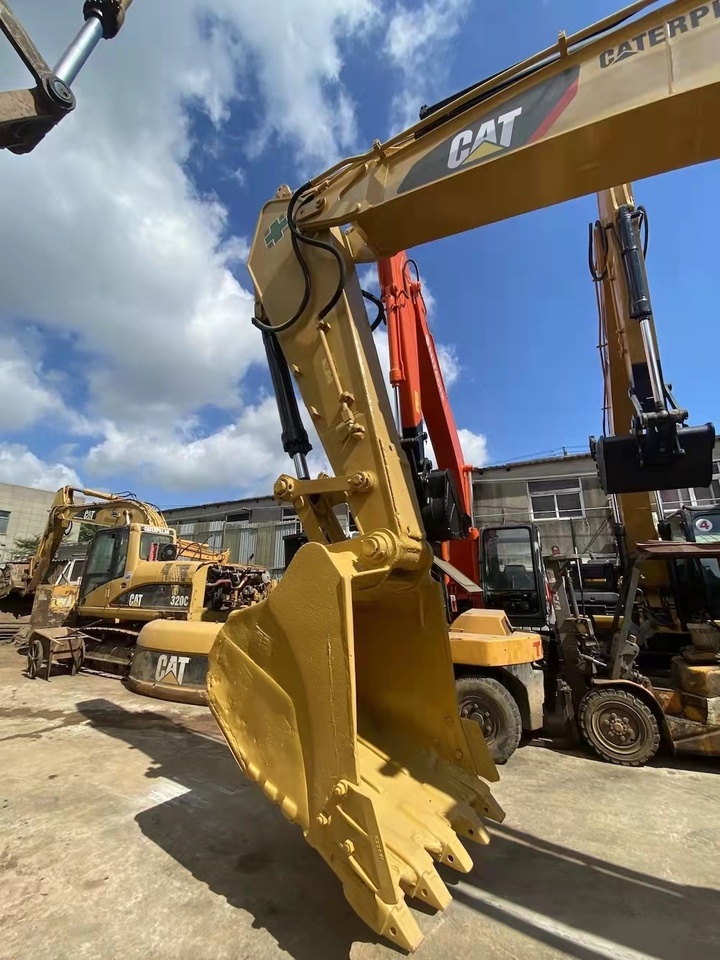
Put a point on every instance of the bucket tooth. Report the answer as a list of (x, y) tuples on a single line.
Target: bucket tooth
[(418, 877), (467, 823)]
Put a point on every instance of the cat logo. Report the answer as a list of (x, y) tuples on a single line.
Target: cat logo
[(171, 669), (492, 135), (487, 134)]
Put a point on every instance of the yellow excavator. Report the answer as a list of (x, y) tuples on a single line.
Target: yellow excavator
[(136, 572), (336, 693), (69, 506)]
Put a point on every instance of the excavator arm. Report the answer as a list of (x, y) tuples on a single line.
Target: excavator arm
[(649, 446), (27, 115), (336, 694), (107, 510), (445, 494)]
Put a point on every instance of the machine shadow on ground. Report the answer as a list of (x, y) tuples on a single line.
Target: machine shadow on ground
[(225, 832), (231, 838), (585, 906)]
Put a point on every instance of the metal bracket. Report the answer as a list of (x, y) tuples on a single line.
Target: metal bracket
[(27, 115), (290, 489)]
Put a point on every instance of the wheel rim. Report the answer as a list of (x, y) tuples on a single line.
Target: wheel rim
[(484, 714), (34, 659), (618, 726)]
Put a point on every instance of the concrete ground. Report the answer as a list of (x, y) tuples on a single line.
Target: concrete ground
[(127, 832)]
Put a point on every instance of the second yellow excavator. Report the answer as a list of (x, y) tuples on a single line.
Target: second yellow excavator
[(137, 573)]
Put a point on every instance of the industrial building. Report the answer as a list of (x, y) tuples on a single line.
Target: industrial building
[(560, 494), (252, 529), (563, 497), (23, 515)]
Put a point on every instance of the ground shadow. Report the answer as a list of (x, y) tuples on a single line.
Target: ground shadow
[(587, 907), (231, 838)]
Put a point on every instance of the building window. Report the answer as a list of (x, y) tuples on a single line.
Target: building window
[(242, 517), (557, 499), (186, 528), (694, 496), (288, 513), (4, 520)]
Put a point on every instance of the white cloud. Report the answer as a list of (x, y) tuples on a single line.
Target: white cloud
[(24, 398), (474, 447), (106, 238), (245, 455), (20, 466), (416, 39), (107, 241), (449, 363)]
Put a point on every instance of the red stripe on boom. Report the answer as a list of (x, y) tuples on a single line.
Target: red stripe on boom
[(550, 119)]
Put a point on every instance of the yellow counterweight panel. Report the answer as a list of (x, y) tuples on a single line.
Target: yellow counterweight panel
[(484, 638)]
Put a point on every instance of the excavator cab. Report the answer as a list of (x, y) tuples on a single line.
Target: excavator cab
[(696, 581), (513, 574)]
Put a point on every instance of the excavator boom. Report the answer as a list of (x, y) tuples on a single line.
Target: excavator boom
[(336, 694), (624, 99)]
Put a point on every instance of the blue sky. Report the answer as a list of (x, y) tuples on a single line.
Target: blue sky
[(127, 355)]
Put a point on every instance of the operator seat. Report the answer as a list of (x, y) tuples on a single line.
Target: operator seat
[(517, 577)]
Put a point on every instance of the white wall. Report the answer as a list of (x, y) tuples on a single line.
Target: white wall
[(28, 510)]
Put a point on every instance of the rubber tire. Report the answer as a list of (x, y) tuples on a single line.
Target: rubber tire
[(503, 705), (649, 742)]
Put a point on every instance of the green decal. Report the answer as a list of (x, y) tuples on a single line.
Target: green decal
[(275, 231)]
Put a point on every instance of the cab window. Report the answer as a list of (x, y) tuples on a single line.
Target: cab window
[(106, 559), (148, 539), (509, 567)]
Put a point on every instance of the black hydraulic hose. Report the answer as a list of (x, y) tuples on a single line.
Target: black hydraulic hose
[(380, 318), (294, 237), (644, 224), (593, 229), (427, 111)]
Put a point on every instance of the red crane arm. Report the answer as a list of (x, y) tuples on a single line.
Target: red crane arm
[(423, 400)]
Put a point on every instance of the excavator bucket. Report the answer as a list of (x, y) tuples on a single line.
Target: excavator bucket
[(621, 469), (336, 695)]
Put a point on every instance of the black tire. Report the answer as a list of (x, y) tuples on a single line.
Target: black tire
[(493, 707), (619, 726)]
